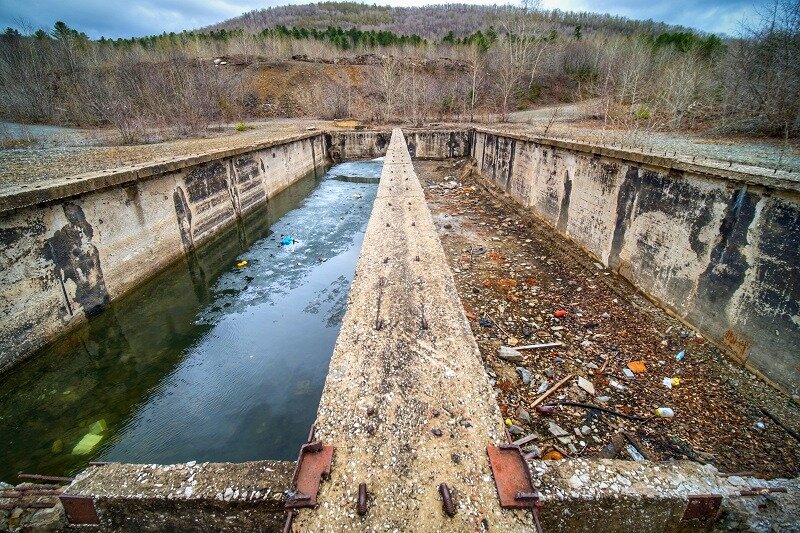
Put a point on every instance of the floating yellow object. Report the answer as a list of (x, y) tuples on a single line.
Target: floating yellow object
[(242, 263)]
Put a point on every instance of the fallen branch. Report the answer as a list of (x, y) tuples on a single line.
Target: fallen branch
[(605, 410), (503, 331), (550, 391)]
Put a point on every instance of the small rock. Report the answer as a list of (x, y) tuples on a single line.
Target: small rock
[(628, 373), (586, 385), (228, 494), (437, 432), (602, 399), (543, 387), (523, 415), (516, 431), (575, 482), (509, 354), (556, 430), (191, 463), (585, 430), (586, 344), (524, 375)]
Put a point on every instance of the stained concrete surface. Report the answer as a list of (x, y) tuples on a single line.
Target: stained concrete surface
[(717, 247), (407, 405)]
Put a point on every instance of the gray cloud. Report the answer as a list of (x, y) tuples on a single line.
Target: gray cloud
[(707, 15), (125, 18)]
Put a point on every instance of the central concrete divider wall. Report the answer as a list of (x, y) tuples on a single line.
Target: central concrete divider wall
[(719, 248), (70, 248), (407, 403)]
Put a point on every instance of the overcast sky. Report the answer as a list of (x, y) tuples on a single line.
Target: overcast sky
[(126, 18)]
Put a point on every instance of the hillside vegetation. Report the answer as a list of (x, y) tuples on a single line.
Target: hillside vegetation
[(378, 63)]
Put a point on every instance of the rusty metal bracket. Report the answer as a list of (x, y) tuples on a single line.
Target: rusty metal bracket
[(513, 480), (80, 510), (702, 507), (512, 477), (313, 465)]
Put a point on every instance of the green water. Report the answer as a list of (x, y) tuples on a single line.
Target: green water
[(207, 361)]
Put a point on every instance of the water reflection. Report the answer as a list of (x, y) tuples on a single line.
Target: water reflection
[(207, 361)]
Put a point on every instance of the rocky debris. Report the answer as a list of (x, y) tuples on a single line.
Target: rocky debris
[(509, 354), (17, 515), (513, 274)]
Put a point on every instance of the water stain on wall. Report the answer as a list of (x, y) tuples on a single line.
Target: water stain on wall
[(75, 258)]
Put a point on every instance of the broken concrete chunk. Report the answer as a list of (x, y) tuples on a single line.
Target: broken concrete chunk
[(586, 385), (509, 354)]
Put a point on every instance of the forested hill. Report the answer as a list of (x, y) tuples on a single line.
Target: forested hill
[(430, 22)]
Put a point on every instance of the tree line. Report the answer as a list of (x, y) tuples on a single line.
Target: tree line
[(636, 75)]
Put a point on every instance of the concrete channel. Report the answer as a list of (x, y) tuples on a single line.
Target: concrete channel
[(407, 406)]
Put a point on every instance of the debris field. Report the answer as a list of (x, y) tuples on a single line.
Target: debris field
[(582, 364)]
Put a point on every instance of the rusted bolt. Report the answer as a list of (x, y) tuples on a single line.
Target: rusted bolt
[(361, 506), (447, 500)]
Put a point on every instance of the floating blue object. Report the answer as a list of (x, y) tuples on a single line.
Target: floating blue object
[(287, 240), (680, 355)]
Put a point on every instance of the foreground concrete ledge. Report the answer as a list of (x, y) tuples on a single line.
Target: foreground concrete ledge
[(614, 495), (407, 403), (738, 173), (192, 496), (57, 189)]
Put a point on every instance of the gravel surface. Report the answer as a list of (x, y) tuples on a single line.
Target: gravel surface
[(60, 152), (523, 284), (573, 122)]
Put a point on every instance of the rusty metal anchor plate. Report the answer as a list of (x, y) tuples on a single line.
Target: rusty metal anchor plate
[(80, 510), (313, 465), (702, 507), (512, 477)]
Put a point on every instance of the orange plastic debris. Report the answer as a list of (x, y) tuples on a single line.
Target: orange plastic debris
[(552, 455), (560, 313), (637, 366)]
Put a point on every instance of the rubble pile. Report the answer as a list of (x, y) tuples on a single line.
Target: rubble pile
[(585, 366)]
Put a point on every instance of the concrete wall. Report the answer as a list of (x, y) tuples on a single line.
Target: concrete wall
[(720, 249), (422, 144), (71, 248)]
